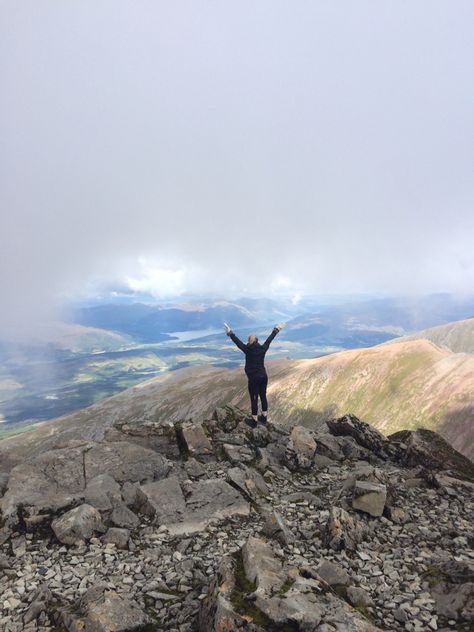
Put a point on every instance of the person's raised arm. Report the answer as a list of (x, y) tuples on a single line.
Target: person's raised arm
[(238, 342), (267, 342), (234, 338)]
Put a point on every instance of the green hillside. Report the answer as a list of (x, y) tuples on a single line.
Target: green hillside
[(457, 336)]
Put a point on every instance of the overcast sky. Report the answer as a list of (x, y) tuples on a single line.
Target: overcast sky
[(235, 147)]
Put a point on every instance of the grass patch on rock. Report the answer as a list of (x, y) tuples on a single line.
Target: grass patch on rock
[(286, 586), (244, 606)]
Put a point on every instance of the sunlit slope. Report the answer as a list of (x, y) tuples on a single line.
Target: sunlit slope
[(402, 385), (457, 336)]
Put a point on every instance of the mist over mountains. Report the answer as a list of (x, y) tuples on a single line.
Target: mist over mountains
[(112, 343)]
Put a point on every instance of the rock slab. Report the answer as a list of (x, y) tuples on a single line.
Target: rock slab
[(163, 500), (255, 591), (369, 497), (366, 435), (196, 442), (301, 448)]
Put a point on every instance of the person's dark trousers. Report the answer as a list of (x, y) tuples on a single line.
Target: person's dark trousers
[(258, 388)]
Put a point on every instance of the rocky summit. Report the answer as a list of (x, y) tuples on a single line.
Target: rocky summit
[(218, 526)]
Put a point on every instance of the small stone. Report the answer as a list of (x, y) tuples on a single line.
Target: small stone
[(359, 597), (333, 574), (194, 469), (276, 527), (400, 615), (119, 537)]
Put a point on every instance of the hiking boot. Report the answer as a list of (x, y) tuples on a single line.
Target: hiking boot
[(262, 419), (250, 421)]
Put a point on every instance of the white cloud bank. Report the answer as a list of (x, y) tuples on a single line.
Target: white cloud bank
[(323, 146)]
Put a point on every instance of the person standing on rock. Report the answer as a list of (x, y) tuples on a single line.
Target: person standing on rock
[(255, 370)]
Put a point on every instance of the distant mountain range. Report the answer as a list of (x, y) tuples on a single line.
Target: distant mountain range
[(402, 385), (343, 324), (153, 323)]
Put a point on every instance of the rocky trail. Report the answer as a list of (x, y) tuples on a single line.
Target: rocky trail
[(218, 526)]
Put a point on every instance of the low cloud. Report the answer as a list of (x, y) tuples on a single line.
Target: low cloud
[(180, 147)]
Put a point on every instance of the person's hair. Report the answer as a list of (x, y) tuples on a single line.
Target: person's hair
[(252, 338)]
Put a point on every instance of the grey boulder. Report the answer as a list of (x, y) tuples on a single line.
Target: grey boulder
[(248, 481), (129, 493), (58, 478), (194, 469), (452, 588), (261, 566), (359, 597), (103, 610), (157, 436), (51, 481), (214, 499), (428, 449), (366, 436), (78, 525), (329, 446), (238, 454), (207, 501), (125, 461)]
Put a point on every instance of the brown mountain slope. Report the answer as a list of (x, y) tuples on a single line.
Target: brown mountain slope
[(457, 336), (404, 385)]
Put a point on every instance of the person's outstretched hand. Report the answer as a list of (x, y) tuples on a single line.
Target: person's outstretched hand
[(279, 327), (228, 330)]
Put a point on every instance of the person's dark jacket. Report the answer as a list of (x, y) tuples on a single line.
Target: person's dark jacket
[(254, 354)]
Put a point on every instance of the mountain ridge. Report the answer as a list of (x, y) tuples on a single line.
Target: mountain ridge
[(457, 336), (404, 385)]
